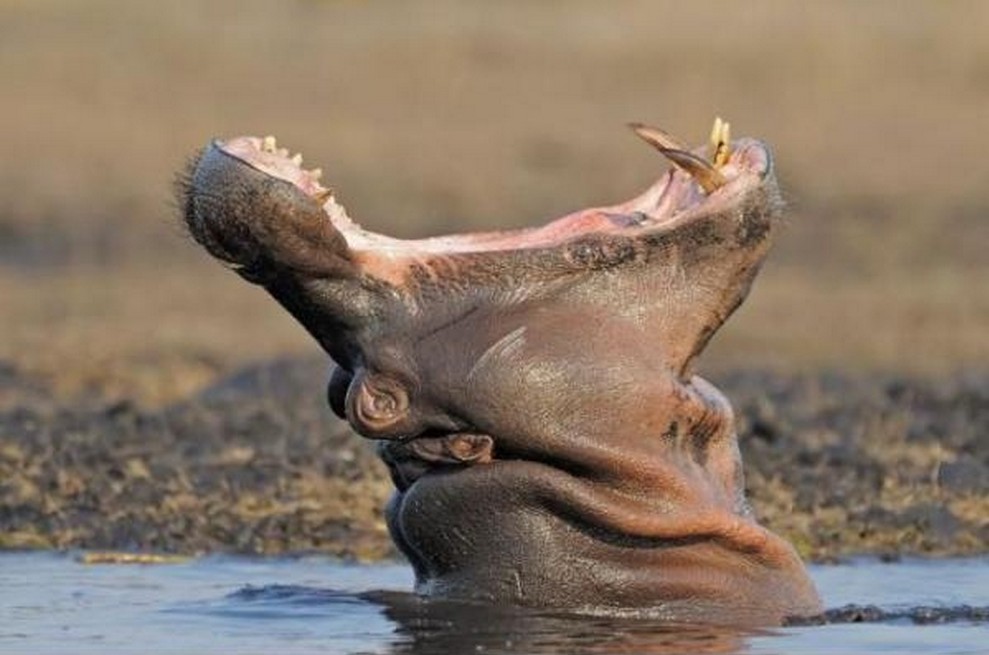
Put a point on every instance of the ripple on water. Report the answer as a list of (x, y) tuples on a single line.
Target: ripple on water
[(53, 604)]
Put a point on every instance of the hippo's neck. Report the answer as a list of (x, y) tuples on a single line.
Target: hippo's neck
[(558, 536)]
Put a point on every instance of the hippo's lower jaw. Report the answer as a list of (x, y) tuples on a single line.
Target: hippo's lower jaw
[(661, 530), (531, 389)]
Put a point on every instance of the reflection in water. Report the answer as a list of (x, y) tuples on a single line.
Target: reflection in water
[(423, 626), (436, 626), (456, 627), (304, 605)]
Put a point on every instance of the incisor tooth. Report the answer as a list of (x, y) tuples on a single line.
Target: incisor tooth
[(720, 142), (698, 168), (715, 135), (268, 144), (297, 159), (322, 195), (316, 173)]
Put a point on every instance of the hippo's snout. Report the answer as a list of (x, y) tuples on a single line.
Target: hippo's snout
[(257, 215)]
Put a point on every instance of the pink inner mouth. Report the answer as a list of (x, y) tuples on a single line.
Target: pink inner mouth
[(672, 200)]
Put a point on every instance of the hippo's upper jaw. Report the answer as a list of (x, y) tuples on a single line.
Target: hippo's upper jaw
[(532, 388), (253, 207)]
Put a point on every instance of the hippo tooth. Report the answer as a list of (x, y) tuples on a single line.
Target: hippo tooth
[(703, 172), (322, 195), (297, 159), (656, 137), (268, 144), (315, 173), (720, 144), (715, 139), (699, 169)]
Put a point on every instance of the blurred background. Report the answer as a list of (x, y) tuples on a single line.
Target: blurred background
[(438, 116)]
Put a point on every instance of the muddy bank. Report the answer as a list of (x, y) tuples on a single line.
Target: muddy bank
[(257, 464)]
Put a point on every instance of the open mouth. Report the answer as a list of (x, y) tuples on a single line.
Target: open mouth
[(702, 181), (254, 206)]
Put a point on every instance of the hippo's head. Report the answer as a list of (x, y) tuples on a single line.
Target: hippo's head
[(546, 371)]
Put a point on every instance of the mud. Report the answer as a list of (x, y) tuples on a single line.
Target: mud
[(839, 464), (922, 615)]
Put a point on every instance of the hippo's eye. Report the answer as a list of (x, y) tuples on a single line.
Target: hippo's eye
[(377, 405)]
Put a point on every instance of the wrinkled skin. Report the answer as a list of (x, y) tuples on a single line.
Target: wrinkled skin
[(531, 391)]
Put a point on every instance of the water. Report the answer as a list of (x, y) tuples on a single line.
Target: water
[(50, 603)]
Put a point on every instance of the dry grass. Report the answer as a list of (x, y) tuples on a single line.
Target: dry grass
[(434, 116)]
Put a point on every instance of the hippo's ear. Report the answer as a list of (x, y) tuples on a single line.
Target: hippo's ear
[(259, 224)]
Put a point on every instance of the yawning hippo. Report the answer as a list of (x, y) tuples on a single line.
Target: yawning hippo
[(531, 390)]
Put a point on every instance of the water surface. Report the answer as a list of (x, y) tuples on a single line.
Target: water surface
[(51, 603)]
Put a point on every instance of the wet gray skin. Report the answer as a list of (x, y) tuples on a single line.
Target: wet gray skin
[(532, 390)]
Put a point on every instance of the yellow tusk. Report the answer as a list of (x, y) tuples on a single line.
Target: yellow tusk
[(656, 137), (698, 168), (720, 143)]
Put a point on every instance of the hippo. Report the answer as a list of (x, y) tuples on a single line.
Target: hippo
[(532, 391)]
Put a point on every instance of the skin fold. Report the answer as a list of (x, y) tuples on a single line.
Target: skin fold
[(532, 391)]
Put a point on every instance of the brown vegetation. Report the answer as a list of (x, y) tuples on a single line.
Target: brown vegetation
[(257, 464)]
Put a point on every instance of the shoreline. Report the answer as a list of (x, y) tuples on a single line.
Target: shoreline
[(840, 465)]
